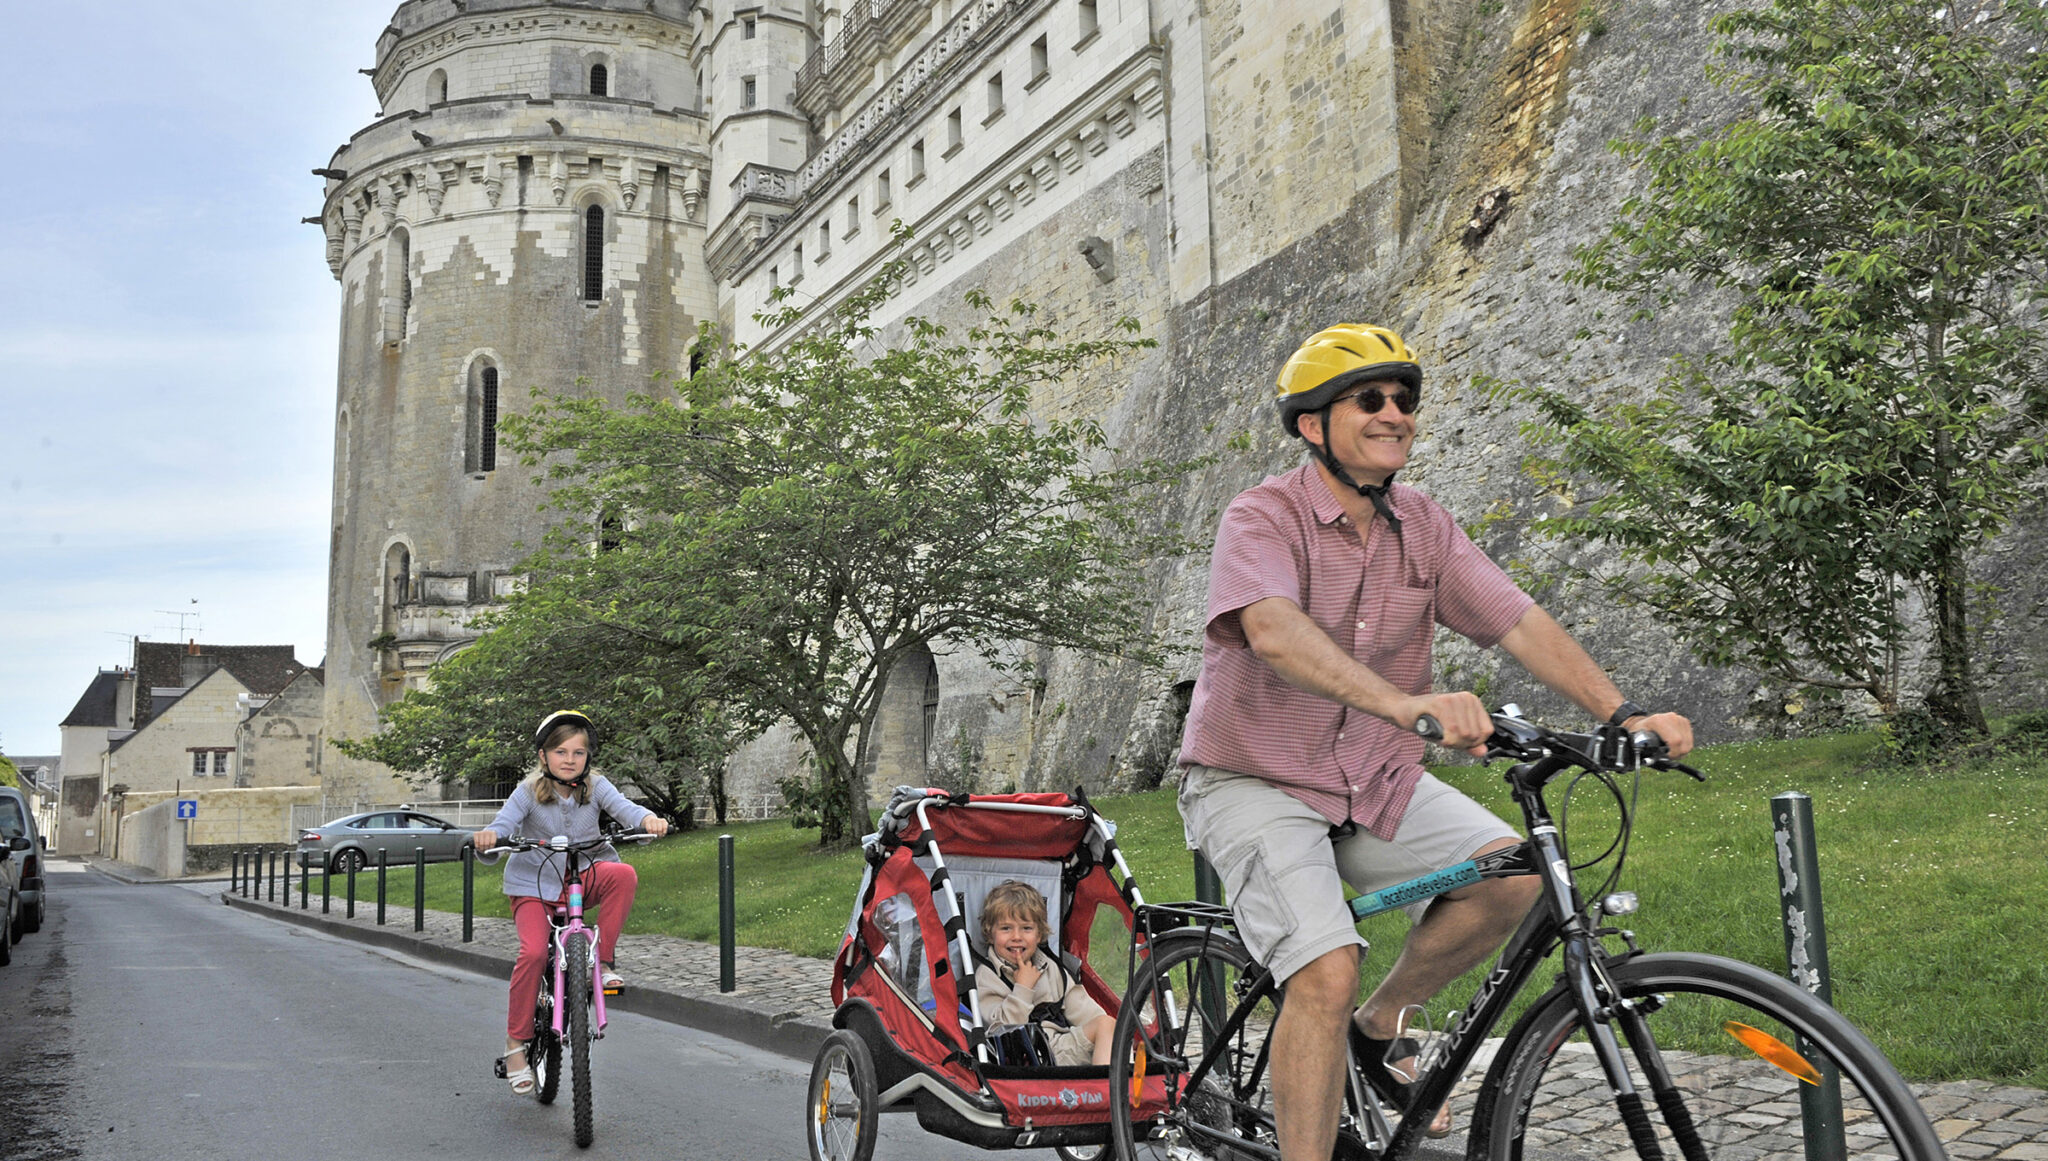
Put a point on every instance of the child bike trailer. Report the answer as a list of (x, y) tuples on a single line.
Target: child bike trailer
[(909, 1035)]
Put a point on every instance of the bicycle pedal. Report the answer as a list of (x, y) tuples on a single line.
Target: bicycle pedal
[(498, 1067), (615, 991)]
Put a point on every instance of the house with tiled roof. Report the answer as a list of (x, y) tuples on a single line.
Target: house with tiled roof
[(173, 722)]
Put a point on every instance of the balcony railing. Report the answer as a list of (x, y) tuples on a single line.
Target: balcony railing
[(927, 72)]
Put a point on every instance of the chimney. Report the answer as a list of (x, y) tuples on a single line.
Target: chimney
[(192, 647)]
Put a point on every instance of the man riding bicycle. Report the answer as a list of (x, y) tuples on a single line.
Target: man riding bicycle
[(1301, 769)]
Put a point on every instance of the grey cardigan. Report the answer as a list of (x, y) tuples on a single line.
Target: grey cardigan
[(539, 873)]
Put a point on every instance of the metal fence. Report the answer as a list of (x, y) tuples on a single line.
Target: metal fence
[(465, 812), (472, 813)]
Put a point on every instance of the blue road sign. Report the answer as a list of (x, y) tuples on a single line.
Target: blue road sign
[(188, 808)]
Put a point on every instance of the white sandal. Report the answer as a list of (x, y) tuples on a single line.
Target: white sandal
[(522, 1079), (610, 980)]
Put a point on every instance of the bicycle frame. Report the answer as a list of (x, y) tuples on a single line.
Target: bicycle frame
[(566, 919), (1559, 917)]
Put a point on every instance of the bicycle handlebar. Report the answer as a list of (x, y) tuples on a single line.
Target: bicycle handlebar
[(560, 843), (1607, 748)]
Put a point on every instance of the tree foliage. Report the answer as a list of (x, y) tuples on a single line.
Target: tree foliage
[(796, 521), (661, 738), (1878, 409)]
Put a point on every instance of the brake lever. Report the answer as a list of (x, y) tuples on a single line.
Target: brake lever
[(1684, 769)]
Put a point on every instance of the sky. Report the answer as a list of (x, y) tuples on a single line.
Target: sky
[(167, 330)]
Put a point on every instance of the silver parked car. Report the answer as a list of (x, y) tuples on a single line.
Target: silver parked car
[(352, 843)]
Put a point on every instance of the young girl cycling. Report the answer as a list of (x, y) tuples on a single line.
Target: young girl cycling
[(562, 798)]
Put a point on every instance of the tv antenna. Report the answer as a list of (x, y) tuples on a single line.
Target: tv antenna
[(182, 615)]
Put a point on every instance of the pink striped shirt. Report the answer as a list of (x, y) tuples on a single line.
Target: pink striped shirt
[(1380, 602)]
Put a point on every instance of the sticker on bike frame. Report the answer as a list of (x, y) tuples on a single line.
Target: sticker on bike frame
[(1402, 894)]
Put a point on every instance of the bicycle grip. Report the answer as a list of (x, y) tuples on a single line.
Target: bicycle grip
[(1428, 727)]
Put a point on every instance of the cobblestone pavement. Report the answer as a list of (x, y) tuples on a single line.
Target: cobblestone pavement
[(784, 1002)]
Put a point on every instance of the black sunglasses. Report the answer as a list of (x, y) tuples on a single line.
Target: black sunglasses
[(1372, 399)]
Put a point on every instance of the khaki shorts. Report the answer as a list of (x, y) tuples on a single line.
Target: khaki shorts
[(1284, 875)]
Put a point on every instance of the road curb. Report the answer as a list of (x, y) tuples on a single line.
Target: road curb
[(787, 1033)]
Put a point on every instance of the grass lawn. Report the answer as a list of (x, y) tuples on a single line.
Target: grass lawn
[(1934, 884)]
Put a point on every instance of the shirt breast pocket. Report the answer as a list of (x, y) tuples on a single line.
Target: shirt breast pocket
[(1403, 613)]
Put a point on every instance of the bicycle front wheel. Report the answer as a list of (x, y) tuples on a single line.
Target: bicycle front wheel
[(1732, 1063), (1198, 997), (576, 984)]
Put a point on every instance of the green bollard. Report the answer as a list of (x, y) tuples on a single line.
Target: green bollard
[(419, 888), (726, 921), (1806, 951), (383, 863), (468, 892)]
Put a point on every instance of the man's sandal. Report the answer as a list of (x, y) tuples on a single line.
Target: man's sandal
[(522, 1077), (1372, 1056)]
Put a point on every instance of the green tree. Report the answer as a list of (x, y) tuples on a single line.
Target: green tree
[(802, 518), (1878, 409), (659, 737), (10, 775)]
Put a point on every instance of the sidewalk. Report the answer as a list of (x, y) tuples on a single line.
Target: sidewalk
[(783, 1003)]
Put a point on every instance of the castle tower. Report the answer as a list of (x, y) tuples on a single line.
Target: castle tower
[(525, 217)]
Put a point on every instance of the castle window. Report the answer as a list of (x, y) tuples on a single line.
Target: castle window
[(995, 97), (437, 87), (774, 277), (852, 216), (882, 191), (480, 451), (611, 532), (917, 161), (824, 240), (747, 91), (600, 81), (1041, 60), (220, 761), (747, 28), (593, 254), (199, 763), (397, 285), (955, 135), (796, 265), (1089, 25)]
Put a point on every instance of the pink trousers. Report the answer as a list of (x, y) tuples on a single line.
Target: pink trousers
[(608, 887)]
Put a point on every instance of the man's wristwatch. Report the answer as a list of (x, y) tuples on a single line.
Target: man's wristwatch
[(1625, 711)]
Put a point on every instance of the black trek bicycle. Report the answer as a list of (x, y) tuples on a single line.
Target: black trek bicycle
[(1673, 1054)]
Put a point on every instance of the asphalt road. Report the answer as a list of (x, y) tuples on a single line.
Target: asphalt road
[(151, 1022)]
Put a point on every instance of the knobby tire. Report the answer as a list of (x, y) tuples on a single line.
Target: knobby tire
[(544, 1051), (576, 984), (1550, 1099)]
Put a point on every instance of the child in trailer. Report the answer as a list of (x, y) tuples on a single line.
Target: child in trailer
[(1026, 985)]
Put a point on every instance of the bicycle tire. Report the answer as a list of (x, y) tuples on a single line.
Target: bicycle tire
[(841, 1114), (576, 982), (544, 1050), (1179, 1003), (1550, 1099)]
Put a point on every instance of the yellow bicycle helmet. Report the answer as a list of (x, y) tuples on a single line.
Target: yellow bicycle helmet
[(1336, 358)]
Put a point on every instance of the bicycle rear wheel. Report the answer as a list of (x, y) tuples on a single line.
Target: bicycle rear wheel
[(576, 982), (1198, 996), (544, 1050), (1739, 1049)]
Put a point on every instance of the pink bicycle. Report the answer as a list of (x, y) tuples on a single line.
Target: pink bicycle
[(570, 1007)]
